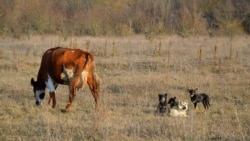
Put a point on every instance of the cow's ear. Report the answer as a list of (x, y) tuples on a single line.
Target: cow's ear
[(32, 82)]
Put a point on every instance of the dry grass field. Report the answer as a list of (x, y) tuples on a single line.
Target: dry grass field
[(133, 72)]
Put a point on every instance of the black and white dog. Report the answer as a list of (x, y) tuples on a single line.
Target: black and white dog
[(196, 98), (162, 106), (177, 108), (172, 102)]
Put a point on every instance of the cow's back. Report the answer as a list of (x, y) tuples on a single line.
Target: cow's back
[(55, 60)]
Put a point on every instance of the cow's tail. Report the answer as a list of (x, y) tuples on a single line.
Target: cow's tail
[(96, 77), (88, 58), (97, 82)]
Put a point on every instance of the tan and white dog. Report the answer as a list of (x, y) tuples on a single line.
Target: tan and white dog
[(178, 109)]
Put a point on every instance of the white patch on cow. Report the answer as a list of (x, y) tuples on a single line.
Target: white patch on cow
[(66, 74), (84, 78), (63, 76), (38, 92), (49, 84), (69, 72)]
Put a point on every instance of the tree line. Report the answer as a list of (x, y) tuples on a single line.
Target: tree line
[(124, 17)]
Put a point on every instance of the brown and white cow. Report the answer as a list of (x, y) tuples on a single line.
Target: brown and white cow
[(72, 67)]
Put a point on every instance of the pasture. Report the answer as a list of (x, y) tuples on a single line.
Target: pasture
[(133, 72)]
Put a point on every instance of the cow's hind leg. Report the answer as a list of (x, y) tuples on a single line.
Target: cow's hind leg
[(71, 98), (94, 86), (72, 92)]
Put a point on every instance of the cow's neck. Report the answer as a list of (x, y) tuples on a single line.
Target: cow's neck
[(40, 81)]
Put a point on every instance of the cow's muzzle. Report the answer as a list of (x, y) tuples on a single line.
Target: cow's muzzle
[(38, 103)]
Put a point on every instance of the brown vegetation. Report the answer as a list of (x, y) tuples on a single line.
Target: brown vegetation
[(124, 17), (132, 78)]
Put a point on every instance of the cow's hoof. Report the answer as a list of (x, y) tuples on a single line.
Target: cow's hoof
[(64, 110)]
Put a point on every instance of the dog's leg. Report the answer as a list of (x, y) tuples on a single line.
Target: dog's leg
[(195, 107), (204, 104), (207, 103), (158, 109)]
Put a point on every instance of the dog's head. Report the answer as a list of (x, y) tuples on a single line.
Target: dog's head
[(172, 102), (192, 92), (183, 105), (162, 98)]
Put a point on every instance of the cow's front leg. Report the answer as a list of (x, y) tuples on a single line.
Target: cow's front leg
[(51, 85), (53, 95), (52, 99)]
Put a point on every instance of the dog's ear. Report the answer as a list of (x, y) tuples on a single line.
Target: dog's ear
[(196, 89), (166, 94)]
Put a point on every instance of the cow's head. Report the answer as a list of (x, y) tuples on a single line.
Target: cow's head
[(39, 91)]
